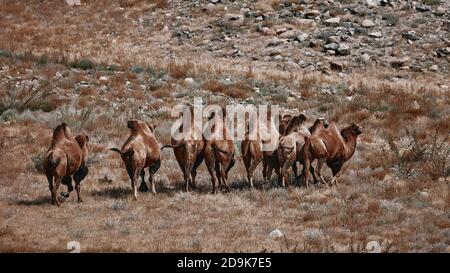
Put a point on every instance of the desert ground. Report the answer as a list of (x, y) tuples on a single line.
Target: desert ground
[(381, 64)]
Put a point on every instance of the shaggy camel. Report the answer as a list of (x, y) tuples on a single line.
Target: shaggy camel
[(219, 152), (252, 150), (188, 152), (330, 146), (63, 159), (290, 143), (140, 151)]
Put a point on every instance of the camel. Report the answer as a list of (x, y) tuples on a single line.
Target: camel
[(82, 140), (140, 151), (330, 146), (219, 152), (188, 152), (252, 152), (290, 143), (63, 159)]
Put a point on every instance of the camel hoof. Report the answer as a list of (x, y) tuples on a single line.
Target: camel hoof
[(65, 194)]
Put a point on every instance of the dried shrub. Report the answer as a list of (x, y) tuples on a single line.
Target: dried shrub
[(237, 90), (179, 70)]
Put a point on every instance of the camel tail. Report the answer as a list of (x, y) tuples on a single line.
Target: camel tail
[(129, 153)]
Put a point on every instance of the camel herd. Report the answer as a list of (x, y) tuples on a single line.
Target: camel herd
[(295, 142)]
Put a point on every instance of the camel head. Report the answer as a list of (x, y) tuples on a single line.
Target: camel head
[(355, 129), (296, 123), (82, 139), (352, 130), (324, 121)]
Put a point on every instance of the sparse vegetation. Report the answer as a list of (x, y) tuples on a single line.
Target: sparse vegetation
[(60, 66)]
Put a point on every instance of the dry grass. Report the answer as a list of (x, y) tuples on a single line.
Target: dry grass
[(394, 190)]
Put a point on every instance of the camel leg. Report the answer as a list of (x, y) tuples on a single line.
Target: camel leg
[(143, 187), (284, 173), (247, 161), (134, 179), (187, 175), (197, 163), (50, 187), (265, 171), (335, 168), (212, 173), (252, 168), (320, 163), (306, 167), (294, 170), (57, 182), (78, 189), (151, 171), (224, 174), (67, 180)]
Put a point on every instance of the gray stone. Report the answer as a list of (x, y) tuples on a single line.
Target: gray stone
[(367, 23), (332, 46), (335, 21), (344, 49), (275, 233), (376, 34), (73, 2)]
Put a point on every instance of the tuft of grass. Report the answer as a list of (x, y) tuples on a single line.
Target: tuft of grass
[(392, 19), (38, 161), (179, 70), (83, 64)]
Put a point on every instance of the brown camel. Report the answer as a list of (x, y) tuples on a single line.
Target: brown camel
[(82, 140), (219, 152), (330, 146), (188, 152), (63, 159), (140, 151), (252, 150), (289, 146)]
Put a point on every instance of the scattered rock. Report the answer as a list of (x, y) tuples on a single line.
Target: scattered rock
[(189, 81), (288, 34), (302, 37), (398, 62), (433, 68), (307, 23), (344, 49), (73, 2), (335, 21), (333, 39), (275, 42), (372, 3), (234, 19), (376, 34), (442, 52), (410, 35), (365, 58), (337, 66), (332, 46), (367, 23), (312, 14), (275, 233)]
